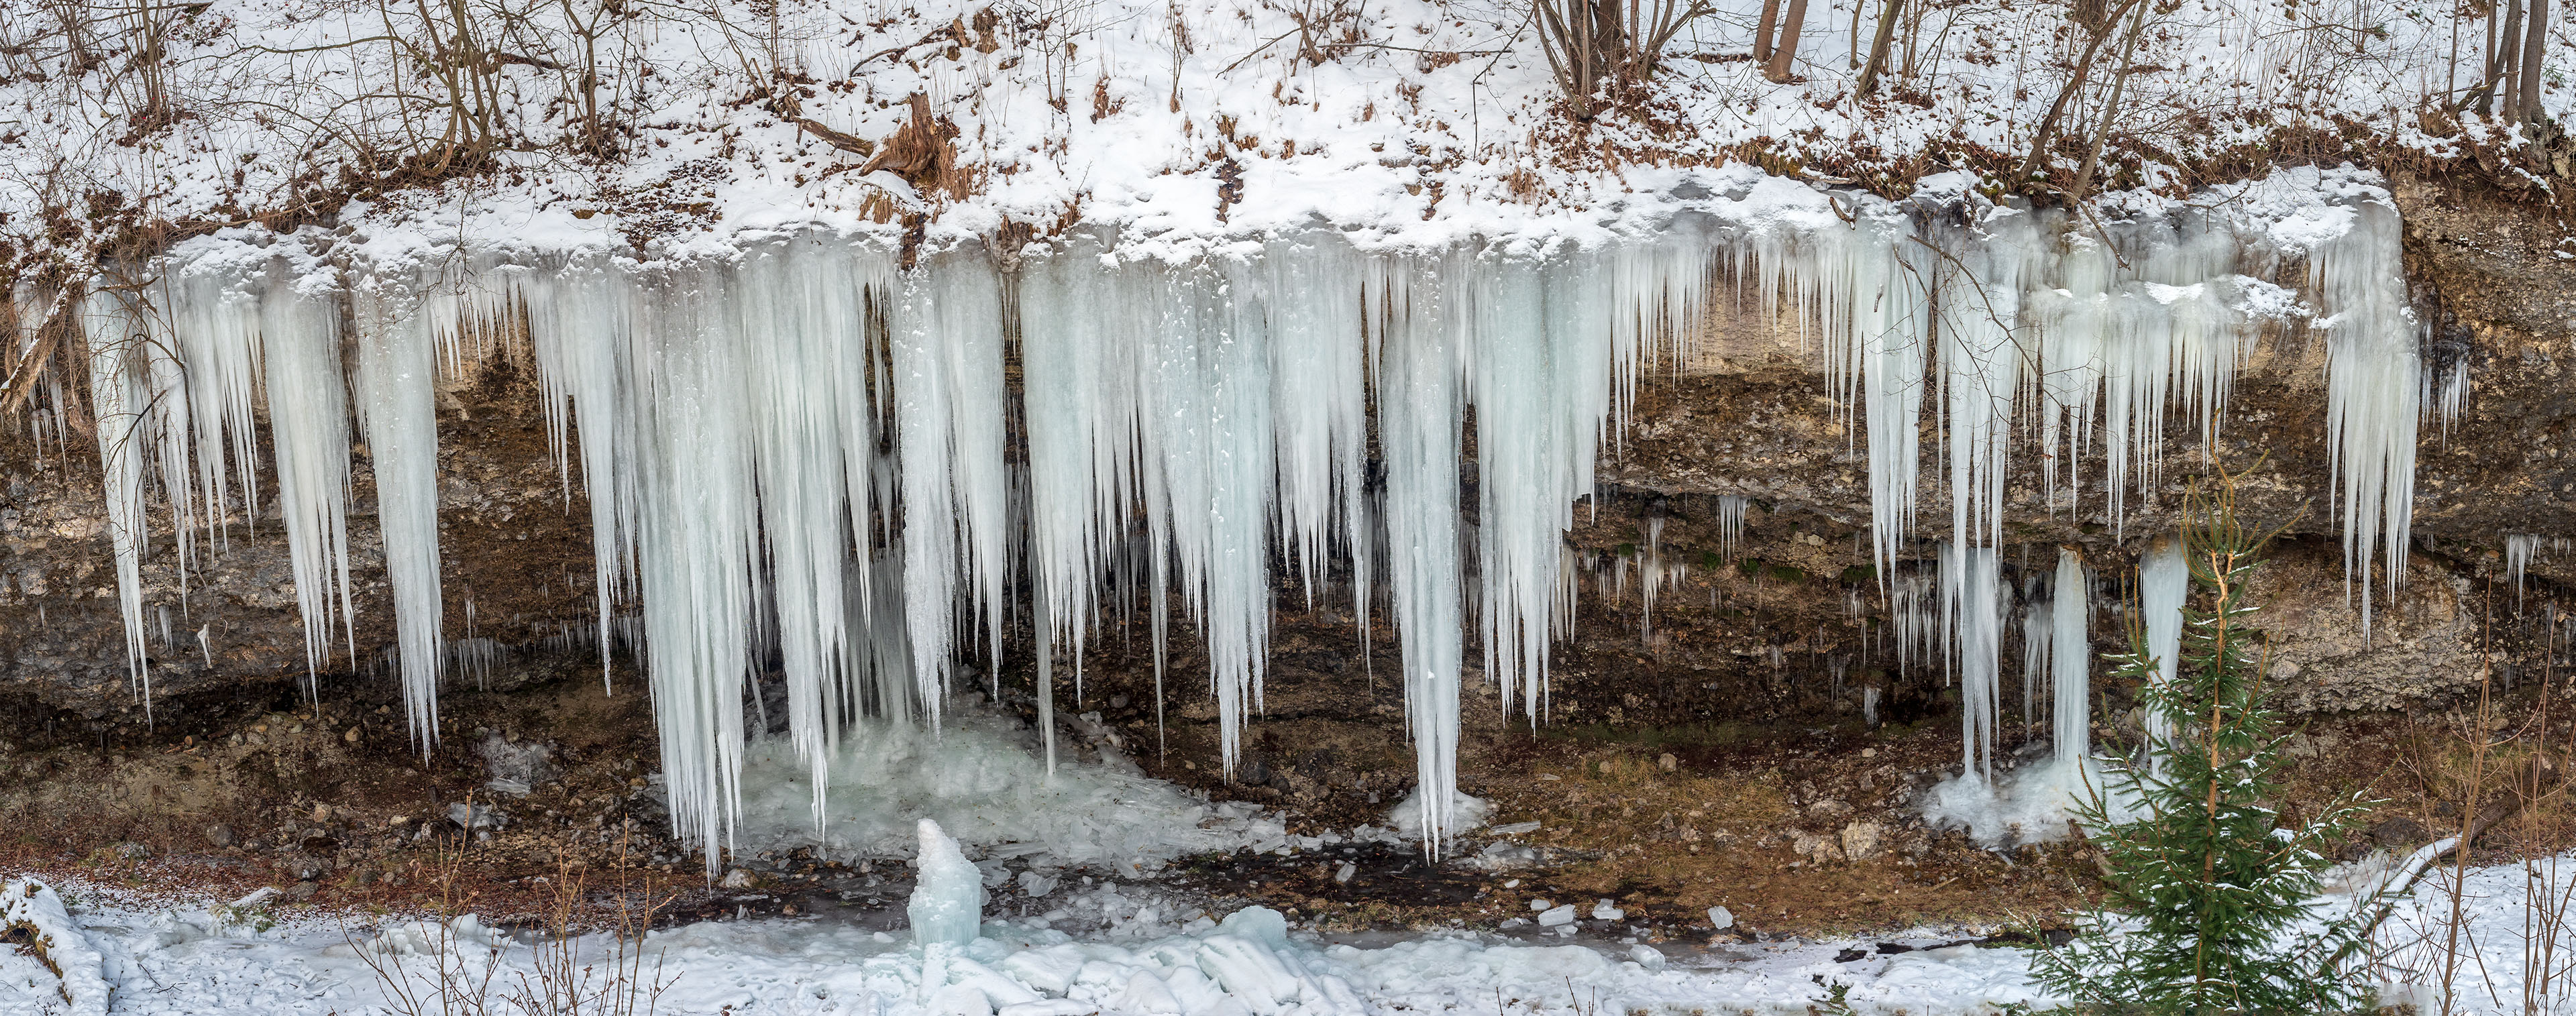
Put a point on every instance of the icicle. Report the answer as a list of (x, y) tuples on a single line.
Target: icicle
[(2071, 652), (2372, 391), (1419, 403), (216, 321), (308, 418), (2518, 550), (2038, 632), (1209, 445), (1981, 369), (1973, 612), (397, 364), (124, 390), (947, 365), (1730, 524)]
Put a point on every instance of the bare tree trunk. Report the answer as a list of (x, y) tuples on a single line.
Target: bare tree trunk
[(2500, 78), (1787, 48), (2038, 157), (1762, 31), (2110, 107), (2535, 45), (1887, 17)]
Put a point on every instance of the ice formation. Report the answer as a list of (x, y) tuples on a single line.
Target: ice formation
[(2164, 580), (2070, 617), (807, 444), (947, 906)]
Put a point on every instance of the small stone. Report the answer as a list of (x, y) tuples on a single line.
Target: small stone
[(351, 736), (303, 890), (220, 836), (1860, 840), (739, 878), (1668, 763), (2399, 832)]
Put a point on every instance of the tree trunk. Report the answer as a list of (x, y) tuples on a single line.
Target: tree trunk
[(2110, 107), (1887, 18), (1787, 48), (1762, 31), (2535, 45), (2502, 80)]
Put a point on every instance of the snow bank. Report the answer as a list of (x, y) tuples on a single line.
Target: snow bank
[(61, 951)]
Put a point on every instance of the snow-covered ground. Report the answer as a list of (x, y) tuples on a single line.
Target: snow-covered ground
[(154, 957)]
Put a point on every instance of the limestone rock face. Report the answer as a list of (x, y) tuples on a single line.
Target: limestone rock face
[(1790, 621)]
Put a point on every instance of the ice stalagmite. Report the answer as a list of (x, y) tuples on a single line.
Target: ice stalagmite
[(947, 906), (2070, 653)]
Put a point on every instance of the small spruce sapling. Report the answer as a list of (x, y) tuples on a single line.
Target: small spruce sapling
[(2210, 907)]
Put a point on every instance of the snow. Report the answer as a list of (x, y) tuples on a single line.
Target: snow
[(58, 948), (128, 955)]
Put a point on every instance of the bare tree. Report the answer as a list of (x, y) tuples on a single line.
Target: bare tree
[(1591, 43)]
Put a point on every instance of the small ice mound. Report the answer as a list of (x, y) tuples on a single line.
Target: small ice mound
[(2029, 806), (466, 935), (1465, 813), (947, 906), (984, 778)]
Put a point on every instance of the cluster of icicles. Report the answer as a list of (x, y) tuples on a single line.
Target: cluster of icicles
[(802, 445)]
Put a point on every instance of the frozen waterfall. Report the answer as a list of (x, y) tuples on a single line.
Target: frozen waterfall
[(809, 441)]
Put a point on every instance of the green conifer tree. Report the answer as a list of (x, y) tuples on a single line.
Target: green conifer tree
[(2210, 906)]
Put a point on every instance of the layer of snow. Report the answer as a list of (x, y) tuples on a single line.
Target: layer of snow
[(1177, 962)]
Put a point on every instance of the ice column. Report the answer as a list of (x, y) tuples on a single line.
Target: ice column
[(2164, 578), (2070, 653)]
